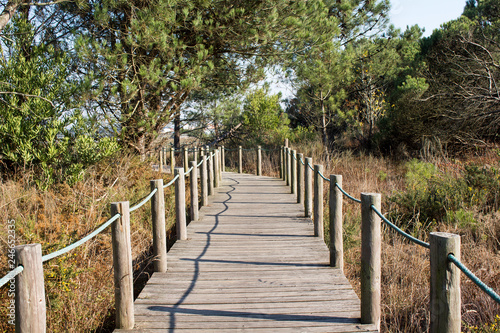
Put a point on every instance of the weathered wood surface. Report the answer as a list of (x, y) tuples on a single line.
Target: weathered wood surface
[(250, 263)]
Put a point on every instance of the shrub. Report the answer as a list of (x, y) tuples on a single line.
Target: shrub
[(434, 196)]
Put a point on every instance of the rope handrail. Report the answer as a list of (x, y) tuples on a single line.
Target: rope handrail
[(301, 161), (81, 241), (309, 165), (398, 230), (201, 162), (323, 177), (187, 172), (490, 292), (347, 194), (146, 199), (10, 275), (171, 182)]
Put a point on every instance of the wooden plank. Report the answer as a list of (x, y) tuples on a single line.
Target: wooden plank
[(250, 263)]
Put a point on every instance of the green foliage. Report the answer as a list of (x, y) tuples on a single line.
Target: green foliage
[(39, 128), (158, 53), (450, 94), (264, 121), (434, 196)]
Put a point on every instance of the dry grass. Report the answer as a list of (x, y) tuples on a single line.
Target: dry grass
[(79, 285), (405, 268)]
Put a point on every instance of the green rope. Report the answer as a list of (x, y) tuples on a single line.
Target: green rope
[(171, 182), (347, 194), (81, 241), (187, 172), (146, 199), (10, 275), (490, 292), (401, 232), (323, 177)]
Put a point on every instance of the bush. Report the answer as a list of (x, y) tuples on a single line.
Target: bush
[(434, 196)]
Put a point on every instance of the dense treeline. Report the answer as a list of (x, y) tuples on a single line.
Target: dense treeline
[(82, 79), (94, 76), (396, 91)]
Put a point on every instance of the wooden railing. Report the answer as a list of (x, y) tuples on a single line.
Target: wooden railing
[(28, 278), (445, 266), (298, 173)]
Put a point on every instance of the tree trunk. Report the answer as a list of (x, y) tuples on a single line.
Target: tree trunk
[(177, 130), (8, 12), (142, 147), (323, 129)]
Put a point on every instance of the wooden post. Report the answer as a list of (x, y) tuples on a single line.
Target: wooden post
[(160, 167), (318, 202), (293, 168), (370, 259), (180, 204), (240, 160), (308, 204), (223, 158), (194, 192), (285, 167), (186, 158), (172, 160), (288, 167), (282, 174), (300, 179), (195, 154), (219, 159), (210, 173), (445, 283), (259, 161), (216, 169), (336, 240), (122, 265), (159, 234), (164, 150), (204, 179), (286, 143), (30, 292)]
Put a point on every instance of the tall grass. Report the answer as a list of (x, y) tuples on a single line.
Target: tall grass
[(79, 285), (405, 266)]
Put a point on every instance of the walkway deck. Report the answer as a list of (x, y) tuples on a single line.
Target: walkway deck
[(250, 264)]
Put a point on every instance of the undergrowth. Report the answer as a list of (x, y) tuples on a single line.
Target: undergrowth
[(79, 285), (460, 196)]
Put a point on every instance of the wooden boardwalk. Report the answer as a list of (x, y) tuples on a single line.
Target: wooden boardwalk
[(250, 263)]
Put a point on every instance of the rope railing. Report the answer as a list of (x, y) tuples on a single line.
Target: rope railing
[(10, 275), (188, 171), (146, 199), (121, 243), (398, 230), (490, 292), (347, 194), (328, 180), (171, 182), (81, 241)]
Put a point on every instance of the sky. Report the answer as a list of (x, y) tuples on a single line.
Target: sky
[(428, 14)]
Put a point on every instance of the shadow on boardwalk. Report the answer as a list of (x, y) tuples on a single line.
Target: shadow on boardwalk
[(250, 263)]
